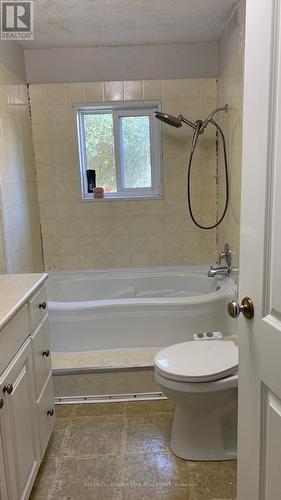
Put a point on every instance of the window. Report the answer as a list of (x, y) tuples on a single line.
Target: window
[(119, 150)]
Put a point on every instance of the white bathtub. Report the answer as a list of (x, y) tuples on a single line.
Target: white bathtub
[(111, 309)]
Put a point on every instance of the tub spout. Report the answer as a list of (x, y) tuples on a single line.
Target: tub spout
[(218, 271)]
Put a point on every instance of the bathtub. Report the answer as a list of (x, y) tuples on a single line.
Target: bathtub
[(131, 308)]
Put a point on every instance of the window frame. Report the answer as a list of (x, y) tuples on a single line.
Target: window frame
[(118, 110)]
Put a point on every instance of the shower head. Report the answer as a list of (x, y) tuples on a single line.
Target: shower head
[(173, 120), (169, 119)]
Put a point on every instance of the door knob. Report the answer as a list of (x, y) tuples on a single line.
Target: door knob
[(246, 308)]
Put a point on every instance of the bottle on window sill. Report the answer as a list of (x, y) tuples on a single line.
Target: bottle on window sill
[(91, 180), (98, 192)]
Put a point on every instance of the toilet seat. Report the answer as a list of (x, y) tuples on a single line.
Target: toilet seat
[(202, 361)]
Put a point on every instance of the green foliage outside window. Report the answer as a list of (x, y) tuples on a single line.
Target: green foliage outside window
[(134, 147)]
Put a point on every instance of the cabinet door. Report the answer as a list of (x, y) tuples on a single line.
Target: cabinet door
[(46, 414), (3, 482), (41, 356), (18, 424)]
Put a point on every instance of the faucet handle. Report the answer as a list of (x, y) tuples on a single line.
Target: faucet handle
[(222, 255), (226, 254)]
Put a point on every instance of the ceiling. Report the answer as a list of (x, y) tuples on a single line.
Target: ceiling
[(103, 23)]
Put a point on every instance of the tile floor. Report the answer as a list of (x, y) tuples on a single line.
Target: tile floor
[(120, 451)]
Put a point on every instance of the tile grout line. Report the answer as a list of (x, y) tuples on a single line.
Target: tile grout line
[(123, 449), (59, 457)]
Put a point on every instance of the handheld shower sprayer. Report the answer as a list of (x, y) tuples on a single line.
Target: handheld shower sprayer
[(210, 116), (199, 127)]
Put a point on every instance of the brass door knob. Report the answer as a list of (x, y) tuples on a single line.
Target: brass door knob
[(8, 388), (246, 308)]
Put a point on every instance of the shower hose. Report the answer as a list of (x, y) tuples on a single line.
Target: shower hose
[(195, 137)]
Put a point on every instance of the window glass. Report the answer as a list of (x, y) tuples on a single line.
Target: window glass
[(99, 143), (135, 151)]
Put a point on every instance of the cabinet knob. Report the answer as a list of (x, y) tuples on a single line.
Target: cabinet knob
[(51, 412), (8, 388), (46, 353), (42, 305), (1, 403)]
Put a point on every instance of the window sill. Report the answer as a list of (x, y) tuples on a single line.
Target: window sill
[(122, 198)]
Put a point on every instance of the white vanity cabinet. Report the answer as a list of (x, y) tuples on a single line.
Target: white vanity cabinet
[(26, 397), (18, 424)]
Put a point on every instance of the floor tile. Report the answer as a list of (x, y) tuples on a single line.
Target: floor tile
[(98, 409), (89, 436), (120, 451), (57, 438), (148, 433), (63, 411), (95, 479), (155, 470), (212, 480), (155, 493), (45, 480), (145, 407)]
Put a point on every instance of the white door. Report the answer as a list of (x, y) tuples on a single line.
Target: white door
[(259, 444), (18, 426)]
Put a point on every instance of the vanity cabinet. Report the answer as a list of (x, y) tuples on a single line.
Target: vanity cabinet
[(26, 398), (18, 423)]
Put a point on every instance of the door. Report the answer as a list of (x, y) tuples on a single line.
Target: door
[(18, 424), (259, 443)]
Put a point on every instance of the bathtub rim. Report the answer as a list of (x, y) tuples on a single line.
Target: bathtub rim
[(228, 288)]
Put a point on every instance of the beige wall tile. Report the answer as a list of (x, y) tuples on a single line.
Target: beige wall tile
[(190, 88), (20, 242), (152, 89), (172, 89), (94, 92), (230, 91), (74, 93), (38, 94), (114, 91), (133, 90), (55, 93), (208, 88), (122, 234)]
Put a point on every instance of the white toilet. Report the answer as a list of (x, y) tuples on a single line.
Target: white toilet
[(202, 378)]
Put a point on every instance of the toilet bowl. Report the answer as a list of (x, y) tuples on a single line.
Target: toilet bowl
[(202, 379)]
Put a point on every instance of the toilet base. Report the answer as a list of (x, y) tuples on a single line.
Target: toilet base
[(198, 434)]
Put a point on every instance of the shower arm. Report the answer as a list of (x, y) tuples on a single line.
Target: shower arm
[(187, 122)]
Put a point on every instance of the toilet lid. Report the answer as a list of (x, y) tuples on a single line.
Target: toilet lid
[(198, 361)]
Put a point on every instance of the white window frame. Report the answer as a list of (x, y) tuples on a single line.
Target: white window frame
[(131, 108)]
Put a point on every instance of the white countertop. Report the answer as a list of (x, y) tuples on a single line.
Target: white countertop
[(15, 290)]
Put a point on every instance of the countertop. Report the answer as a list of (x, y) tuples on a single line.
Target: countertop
[(15, 290)]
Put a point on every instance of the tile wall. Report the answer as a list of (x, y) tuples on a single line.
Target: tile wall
[(231, 92), (123, 233), (20, 242)]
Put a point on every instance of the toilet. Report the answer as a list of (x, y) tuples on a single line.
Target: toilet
[(202, 378)]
